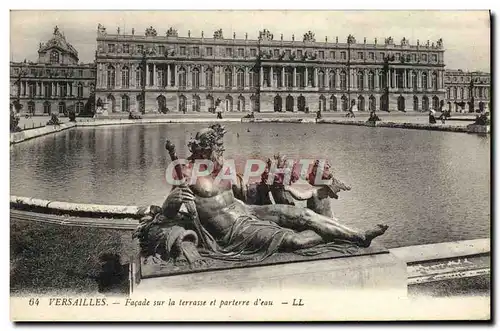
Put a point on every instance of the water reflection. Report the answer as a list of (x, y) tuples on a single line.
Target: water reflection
[(428, 186)]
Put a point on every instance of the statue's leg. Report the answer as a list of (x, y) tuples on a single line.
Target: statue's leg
[(302, 219), (301, 240)]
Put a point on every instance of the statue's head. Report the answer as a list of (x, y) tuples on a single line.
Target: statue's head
[(208, 144)]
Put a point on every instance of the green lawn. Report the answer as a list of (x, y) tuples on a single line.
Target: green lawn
[(48, 258)]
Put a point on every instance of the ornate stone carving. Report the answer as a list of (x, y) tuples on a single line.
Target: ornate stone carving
[(218, 34), (293, 37), (150, 32), (309, 36), (118, 30), (389, 41), (133, 31), (404, 42), (266, 35), (337, 40), (101, 30), (202, 34), (375, 41), (440, 43), (351, 39), (364, 41), (171, 32), (189, 33)]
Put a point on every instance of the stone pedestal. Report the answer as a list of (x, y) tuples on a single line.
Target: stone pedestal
[(378, 272)]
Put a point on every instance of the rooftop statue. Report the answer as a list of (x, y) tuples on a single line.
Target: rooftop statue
[(150, 32), (171, 32), (101, 29), (309, 36), (440, 43), (220, 224), (218, 34)]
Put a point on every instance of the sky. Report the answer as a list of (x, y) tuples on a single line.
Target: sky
[(466, 34)]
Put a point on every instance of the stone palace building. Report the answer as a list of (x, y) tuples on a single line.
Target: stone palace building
[(53, 84), (151, 72), (467, 91)]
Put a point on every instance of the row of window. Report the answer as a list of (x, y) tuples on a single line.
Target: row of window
[(323, 79), (47, 72), (47, 107), (278, 103), (466, 79), (460, 93), (30, 89), (240, 52)]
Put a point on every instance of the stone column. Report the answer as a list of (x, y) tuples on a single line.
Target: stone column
[(189, 77), (147, 74), (294, 78), (376, 78), (261, 76), (429, 79), (247, 79), (168, 74), (306, 74), (394, 77), (271, 76), (410, 80), (337, 78), (234, 79), (176, 83), (282, 77), (316, 77), (365, 79)]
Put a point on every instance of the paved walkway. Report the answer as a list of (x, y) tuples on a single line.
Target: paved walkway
[(398, 117)]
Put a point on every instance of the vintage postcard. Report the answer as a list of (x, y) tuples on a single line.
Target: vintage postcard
[(250, 165)]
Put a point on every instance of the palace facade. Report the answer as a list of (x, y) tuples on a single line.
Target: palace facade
[(467, 91), (53, 84), (151, 72)]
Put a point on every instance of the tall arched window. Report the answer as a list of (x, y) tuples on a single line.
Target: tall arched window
[(79, 107), (111, 76), (228, 78), (196, 103), (343, 80), (455, 94), (253, 78), (288, 77), (125, 103), (240, 78), (196, 78), (79, 90), (333, 103), (209, 78), (414, 81), (139, 78), (461, 93), (344, 103), (371, 81), (424, 80), (125, 77), (182, 77), (434, 81), (321, 79), (361, 80), (54, 57), (399, 79), (372, 103), (331, 80)]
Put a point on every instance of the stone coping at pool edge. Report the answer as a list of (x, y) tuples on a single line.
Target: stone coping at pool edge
[(76, 209), (18, 137)]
